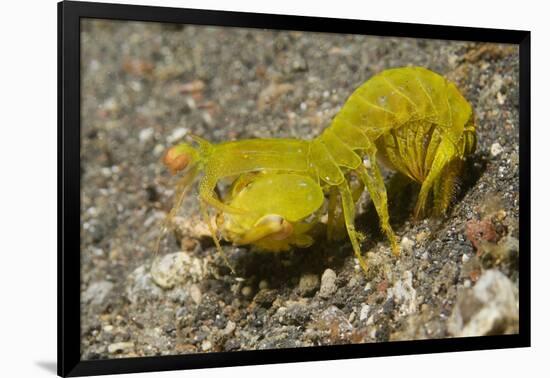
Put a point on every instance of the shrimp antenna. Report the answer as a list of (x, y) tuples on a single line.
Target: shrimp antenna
[(181, 189), (206, 219), (203, 143)]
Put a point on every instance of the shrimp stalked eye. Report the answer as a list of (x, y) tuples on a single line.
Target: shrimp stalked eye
[(178, 158), (175, 161)]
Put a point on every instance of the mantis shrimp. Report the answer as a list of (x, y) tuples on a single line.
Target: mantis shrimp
[(410, 119)]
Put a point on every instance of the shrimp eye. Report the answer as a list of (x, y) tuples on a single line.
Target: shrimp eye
[(279, 228), (286, 231), (176, 160)]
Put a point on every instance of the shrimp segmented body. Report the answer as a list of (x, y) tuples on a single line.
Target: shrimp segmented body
[(411, 119)]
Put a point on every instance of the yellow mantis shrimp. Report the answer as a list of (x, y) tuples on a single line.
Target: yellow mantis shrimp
[(410, 119)]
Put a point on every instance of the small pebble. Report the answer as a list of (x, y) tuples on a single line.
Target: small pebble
[(246, 291), (421, 236), (207, 118), (96, 293), (158, 150), (146, 134), (232, 344), (501, 98), (193, 86), (122, 347), (206, 345), (263, 284), (308, 284), (407, 244), (177, 134), (370, 320), (490, 305), (328, 284), (196, 294), (166, 272), (229, 327), (265, 297), (364, 314), (106, 171), (496, 149)]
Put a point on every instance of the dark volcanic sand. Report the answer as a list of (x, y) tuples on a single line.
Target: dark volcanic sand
[(145, 85)]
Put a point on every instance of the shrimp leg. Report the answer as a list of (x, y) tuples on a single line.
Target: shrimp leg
[(333, 221), (206, 194), (348, 208), (372, 178), (445, 153), (444, 186), (182, 187), (206, 219), (336, 228)]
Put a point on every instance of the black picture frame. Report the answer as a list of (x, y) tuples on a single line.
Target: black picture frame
[(69, 15)]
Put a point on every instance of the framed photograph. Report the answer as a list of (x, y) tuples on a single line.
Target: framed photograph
[(240, 188)]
